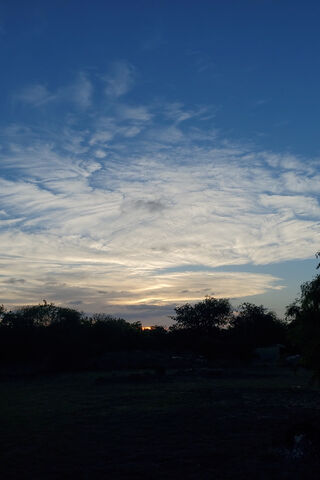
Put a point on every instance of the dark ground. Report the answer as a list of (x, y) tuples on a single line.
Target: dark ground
[(250, 423)]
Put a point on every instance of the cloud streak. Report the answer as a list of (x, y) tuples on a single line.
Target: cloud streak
[(36, 95), (119, 79), (117, 214), (78, 93)]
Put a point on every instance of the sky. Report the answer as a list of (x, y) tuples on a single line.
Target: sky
[(156, 152)]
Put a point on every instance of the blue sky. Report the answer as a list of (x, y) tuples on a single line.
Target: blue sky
[(152, 153)]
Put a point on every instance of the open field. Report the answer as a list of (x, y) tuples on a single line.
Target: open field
[(261, 423)]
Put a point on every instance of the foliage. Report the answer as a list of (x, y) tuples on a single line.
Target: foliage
[(40, 333), (46, 314), (255, 326), (155, 338), (206, 316), (62, 338), (108, 333), (304, 315), (199, 328)]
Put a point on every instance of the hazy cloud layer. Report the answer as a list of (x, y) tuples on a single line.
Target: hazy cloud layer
[(93, 214)]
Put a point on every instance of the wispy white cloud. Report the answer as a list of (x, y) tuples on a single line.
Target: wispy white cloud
[(79, 93), (138, 113), (100, 153), (59, 271), (129, 204), (293, 205), (119, 79), (177, 112), (36, 95), (103, 135)]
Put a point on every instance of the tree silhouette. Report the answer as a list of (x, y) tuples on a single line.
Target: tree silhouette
[(42, 315), (256, 326), (304, 331), (204, 317)]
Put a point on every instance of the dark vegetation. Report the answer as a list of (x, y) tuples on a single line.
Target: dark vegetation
[(304, 316), (47, 337), (57, 338), (98, 397)]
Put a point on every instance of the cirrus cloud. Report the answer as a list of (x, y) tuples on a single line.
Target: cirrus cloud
[(119, 213)]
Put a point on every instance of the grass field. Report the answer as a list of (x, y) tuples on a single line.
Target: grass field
[(232, 424)]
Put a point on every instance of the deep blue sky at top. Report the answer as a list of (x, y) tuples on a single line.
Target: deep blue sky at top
[(257, 61)]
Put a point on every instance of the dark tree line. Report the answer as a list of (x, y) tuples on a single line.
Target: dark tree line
[(64, 338), (211, 327)]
